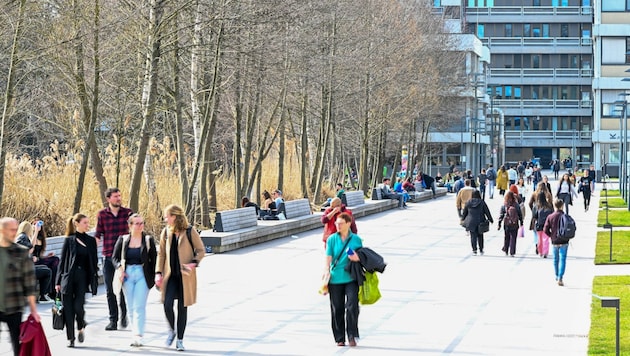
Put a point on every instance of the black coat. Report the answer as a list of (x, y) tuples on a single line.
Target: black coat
[(148, 255), (66, 269), (475, 211), (369, 261)]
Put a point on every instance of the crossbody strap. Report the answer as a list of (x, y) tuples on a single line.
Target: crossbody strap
[(339, 255)]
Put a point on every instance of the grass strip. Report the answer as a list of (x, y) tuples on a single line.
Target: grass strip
[(602, 334), (620, 247), (615, 217)]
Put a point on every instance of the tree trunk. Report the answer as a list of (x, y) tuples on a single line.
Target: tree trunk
[(304, 144), (365, 139), (179, 127), (7, 108), (149, 93)]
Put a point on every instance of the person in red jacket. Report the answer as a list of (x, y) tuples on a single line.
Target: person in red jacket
[(330, 216)]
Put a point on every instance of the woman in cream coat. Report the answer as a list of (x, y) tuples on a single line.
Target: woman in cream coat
[(175, 272)]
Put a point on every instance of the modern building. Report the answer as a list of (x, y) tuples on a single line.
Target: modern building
[(611, 46), (540, 75), (466, 141)]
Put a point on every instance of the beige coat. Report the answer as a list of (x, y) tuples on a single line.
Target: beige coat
[(189, 282)]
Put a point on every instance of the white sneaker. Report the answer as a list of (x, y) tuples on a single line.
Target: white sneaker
[(45, 299)]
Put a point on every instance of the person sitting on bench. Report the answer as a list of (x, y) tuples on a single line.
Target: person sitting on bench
[(389, 194)]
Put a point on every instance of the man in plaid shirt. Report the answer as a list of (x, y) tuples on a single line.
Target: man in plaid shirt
[(112, 223), (17, 281)]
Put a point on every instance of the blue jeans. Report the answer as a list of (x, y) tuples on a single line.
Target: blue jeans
[(136, 293), (560, 259)]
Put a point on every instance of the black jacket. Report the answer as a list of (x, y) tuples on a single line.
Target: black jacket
[(148, 255), (475, 211), (67, 268), (369, 261)]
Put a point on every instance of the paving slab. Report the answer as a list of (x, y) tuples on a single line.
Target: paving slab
[(438, 299)]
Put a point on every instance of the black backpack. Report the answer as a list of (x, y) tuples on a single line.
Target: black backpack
[(566, 228), (490, 174)]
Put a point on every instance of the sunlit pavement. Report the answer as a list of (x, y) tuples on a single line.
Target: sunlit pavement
[(437, 297)]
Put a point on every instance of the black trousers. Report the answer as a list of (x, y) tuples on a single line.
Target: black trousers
[(13, 321), (476, 239), (112, 303), (174, 290), (43, 275), (344, 310), (587, 198), (74, 302), (51, 262), (509, 240)]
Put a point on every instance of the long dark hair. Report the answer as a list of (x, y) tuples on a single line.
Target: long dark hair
[(76, 218)]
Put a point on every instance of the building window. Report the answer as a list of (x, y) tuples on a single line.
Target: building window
[(545, 28), (527, 30), (564, 30), (536, 31), (480, 30), (508, 30), (535, 61), (564, 3), (554, 3), (517, 92), (615, 5), (536, 3), (628, 49), (437, 3)]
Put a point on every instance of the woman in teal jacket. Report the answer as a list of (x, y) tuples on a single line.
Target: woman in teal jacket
[(343, 289)]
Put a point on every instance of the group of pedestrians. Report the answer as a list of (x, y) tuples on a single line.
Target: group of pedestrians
[(132, 266), (476, 217)]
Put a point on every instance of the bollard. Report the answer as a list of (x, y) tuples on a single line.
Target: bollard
[(612, 302)]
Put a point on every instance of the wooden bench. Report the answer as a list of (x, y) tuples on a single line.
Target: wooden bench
[(296, 208), (230, 220), (353, 198)]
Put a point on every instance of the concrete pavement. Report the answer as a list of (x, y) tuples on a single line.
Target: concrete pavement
[(437, 299)]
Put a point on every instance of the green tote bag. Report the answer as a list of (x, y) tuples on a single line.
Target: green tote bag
[(368, 291)]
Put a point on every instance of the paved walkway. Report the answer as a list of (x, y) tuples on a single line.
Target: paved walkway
[(438, 299)]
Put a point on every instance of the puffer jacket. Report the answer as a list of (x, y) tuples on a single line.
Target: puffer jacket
[(475, 211)]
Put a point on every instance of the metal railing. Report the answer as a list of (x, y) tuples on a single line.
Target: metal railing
[(529, 10), (543, 104), (495, 42), (541, 72), (548, 135)]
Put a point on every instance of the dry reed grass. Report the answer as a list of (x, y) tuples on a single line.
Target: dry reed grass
[(45, 188)]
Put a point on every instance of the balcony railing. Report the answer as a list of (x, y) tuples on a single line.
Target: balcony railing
[(549, 135), (541, 72), (529, 10), (542, 104), (537, 41)]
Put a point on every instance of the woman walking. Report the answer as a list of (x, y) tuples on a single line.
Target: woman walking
[(512, 219), (181, 250), (543, 210), (77, 274), (502, 180), (475, 212), (566, 192), (135, 254), (343, 289)]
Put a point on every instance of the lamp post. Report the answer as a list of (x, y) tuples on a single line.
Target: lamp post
[(623, 138)]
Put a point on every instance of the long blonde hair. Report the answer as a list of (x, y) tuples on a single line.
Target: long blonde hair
[(26, 228), (71, 229), (181, 221)]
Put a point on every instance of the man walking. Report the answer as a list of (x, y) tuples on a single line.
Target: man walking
[(112, 223), (491, 175), (463, 196), (17, 281), (560, 244)]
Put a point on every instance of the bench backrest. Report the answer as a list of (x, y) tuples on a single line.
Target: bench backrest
[(230, 220), (296, 208), (377, 194), (353, 198)]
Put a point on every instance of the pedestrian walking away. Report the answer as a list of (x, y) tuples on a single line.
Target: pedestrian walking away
[(78, 274), (135, 256), (491, 174), (16, 268), (181, 250), (475, 213), (543, 210), (560, 244), (111, 224), (512, 218)]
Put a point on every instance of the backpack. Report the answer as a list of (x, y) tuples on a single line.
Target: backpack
[(511, 217), (566, 229), (490, 174), (541, 217)]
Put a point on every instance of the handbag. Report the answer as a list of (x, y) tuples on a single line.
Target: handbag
[(57, 315), (483, 226), (368, 291), (521, 231)]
